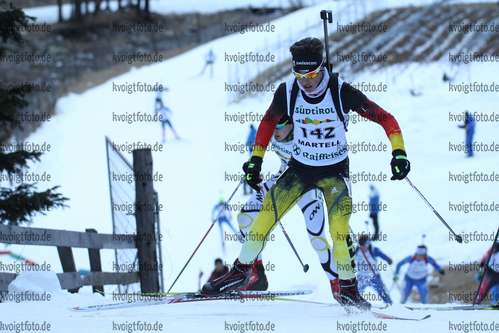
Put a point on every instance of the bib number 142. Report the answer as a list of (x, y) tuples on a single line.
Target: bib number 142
[(326, 133)]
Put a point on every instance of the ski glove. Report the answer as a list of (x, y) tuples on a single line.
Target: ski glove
[(395, 278), (252, 170), (400, 165)]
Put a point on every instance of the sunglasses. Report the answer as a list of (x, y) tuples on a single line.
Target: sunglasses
[(279, 126), (309, 75)]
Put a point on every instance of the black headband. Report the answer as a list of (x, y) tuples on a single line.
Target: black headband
[(306, 62)]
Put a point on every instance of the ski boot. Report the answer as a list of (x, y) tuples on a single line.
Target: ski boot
[(237, 278), (335, 287), (258, 279), (350, 298)]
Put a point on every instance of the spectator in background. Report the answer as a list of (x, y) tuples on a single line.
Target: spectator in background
[(220, 269), (469, 126), (374, 209), (416, 274)]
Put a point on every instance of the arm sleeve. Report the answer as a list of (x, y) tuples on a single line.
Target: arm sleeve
[(214, 212), (266, 129), (377, 253), (434, 264), (374, 112), (351, 98), (405, 261), (354, 99)]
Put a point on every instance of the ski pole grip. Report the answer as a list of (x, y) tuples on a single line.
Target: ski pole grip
[(327, 15)]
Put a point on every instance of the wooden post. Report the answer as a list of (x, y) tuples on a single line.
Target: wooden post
[(144, 215), (77, 13), (146, 11), (59, 10), (67, 262), (95, 264)]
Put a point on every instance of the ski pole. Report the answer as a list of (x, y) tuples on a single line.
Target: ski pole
[(305, 267), (327, 16), (385, 294), (486, 268), (458, 237), (395, 282), (212, 224)]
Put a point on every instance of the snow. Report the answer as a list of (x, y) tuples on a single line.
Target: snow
[(35, 282), (194, 171)]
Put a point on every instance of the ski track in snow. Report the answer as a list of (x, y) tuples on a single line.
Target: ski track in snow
[(194, 177)]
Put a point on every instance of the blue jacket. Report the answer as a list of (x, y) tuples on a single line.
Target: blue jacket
[(251, 138), (373, 201)]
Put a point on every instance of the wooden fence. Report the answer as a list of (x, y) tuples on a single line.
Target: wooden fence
[(70, 279)]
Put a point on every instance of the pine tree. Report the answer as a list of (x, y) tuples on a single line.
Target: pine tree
[(18, 204)]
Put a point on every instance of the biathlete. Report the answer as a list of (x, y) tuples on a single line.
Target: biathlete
[(318, 104)]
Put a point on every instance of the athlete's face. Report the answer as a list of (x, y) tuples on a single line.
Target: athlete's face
[(282, 133), (419, 257), (310, 84)]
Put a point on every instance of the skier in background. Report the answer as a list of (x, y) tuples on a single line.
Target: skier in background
[(469, 126), (311, 206), (374, 209), (158, 103), (165, 113), (224, 217), (491, 279), (364, 273), (416, 274), (209, 61), (250, 143)]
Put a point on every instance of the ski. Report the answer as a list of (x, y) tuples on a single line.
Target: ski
[(459, 307), (304, 301), (323, 303), (387, 316), (190, 297)]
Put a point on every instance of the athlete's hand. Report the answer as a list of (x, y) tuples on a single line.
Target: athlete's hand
[(252, 170), (390, 261), (395, 278), (442, 272), (400, 165)]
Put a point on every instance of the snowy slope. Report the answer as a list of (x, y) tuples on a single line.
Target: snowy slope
[(194, 177)]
